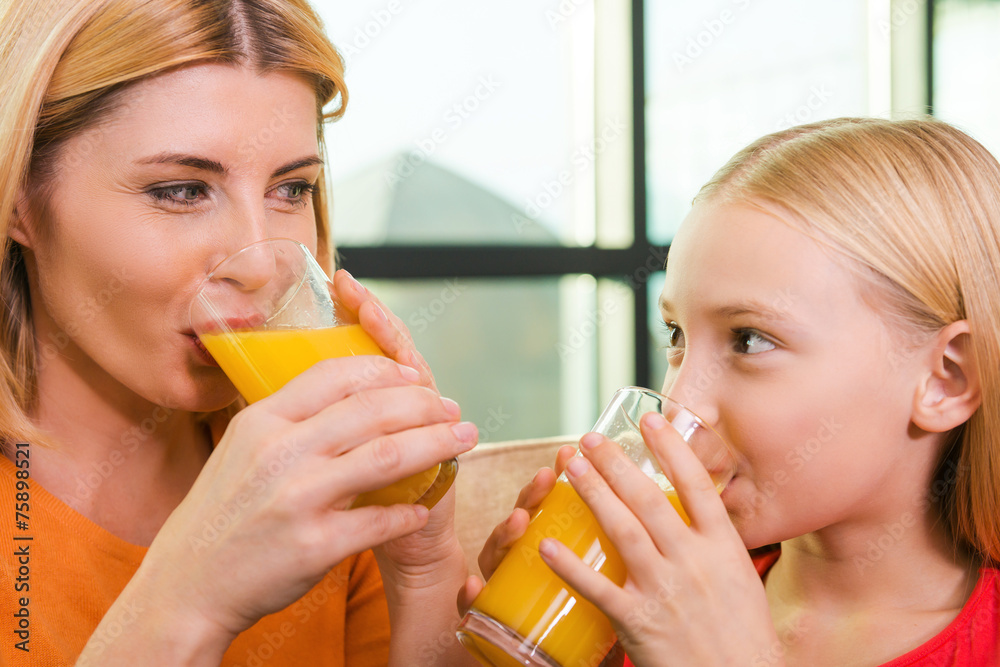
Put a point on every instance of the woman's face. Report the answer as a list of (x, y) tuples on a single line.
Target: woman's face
[(192, 166), (773, 345)]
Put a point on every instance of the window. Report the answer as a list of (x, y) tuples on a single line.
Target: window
[(509, 175)]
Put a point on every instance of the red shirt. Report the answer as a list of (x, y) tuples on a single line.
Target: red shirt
[(971, 640)]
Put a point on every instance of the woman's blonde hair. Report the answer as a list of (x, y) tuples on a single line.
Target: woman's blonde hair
[(916, 205), (66, 65)]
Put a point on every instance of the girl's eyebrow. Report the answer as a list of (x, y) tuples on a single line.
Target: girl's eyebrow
[(777, 310)]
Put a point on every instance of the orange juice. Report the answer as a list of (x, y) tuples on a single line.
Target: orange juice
[(527, 597), (260, 363)]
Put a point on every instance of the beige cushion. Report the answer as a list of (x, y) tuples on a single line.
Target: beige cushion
[(489, 479)]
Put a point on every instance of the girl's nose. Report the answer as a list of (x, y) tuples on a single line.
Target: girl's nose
[(694, 386), (250, 268)]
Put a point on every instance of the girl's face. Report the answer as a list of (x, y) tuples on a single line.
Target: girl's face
[(194, 165), (771, 343)]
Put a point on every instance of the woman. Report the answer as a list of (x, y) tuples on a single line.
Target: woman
[(143, 141)]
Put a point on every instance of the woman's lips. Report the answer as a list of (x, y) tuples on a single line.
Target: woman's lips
[(201, 351)]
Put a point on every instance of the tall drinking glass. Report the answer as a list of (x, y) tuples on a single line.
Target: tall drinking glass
[(265, 314), (526, 615)]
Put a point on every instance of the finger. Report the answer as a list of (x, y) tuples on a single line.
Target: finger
[(390, 458), (501, 539), (381, 323), (643, 498), (373, 413), (332, 380), (535, 491), (366, 527), (626, 532), (589, 583), (393, 338), (695, 488), (565, 453), (467, 595)]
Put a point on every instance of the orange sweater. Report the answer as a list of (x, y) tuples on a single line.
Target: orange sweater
[(60, 574)]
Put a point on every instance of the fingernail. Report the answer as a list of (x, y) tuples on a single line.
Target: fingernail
[(576, 466), (465, 431), (450, 406), (547, 547), (590, 440), (354, 284), (654, 420), (378, 311), (409, 374)]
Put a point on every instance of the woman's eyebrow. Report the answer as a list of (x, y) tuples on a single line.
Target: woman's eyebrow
[(185, 161), (310, 161), (216, 167)]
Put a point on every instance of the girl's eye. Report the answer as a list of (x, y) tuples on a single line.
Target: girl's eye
[(185, 194), (675, 338), (750, 341)]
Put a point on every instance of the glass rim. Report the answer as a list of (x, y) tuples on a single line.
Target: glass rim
[(255, 244), (270, 241), (664, 398)]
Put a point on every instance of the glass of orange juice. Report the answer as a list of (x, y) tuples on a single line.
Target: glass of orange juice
[(526, 615), (266, 314)]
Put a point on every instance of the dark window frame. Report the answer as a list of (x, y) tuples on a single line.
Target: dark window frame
[(629, 264)]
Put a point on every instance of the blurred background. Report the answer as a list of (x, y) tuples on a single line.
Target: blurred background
[(509, 175)]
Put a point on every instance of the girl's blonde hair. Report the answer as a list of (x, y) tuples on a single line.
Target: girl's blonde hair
[(67, 65), (916, 205)]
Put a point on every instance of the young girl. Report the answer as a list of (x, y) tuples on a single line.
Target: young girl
[(832, 303), (142, 141)]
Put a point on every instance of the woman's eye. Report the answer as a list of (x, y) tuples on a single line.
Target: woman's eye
[(185, 194), (298, 191), (750, 341)]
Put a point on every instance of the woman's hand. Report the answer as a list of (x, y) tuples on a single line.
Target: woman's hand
[(505, 534), (692, 593), (267, 517), (387, 330)]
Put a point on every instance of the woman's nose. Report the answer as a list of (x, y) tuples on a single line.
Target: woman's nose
[(250, 268)]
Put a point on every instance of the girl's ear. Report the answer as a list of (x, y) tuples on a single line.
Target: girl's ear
[(949, 391), (20, 225)]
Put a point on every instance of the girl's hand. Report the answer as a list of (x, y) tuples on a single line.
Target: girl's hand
[(505, 534), (692, 593), (267, 517)]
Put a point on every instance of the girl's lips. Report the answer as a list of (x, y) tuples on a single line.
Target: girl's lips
[(201, 352)]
